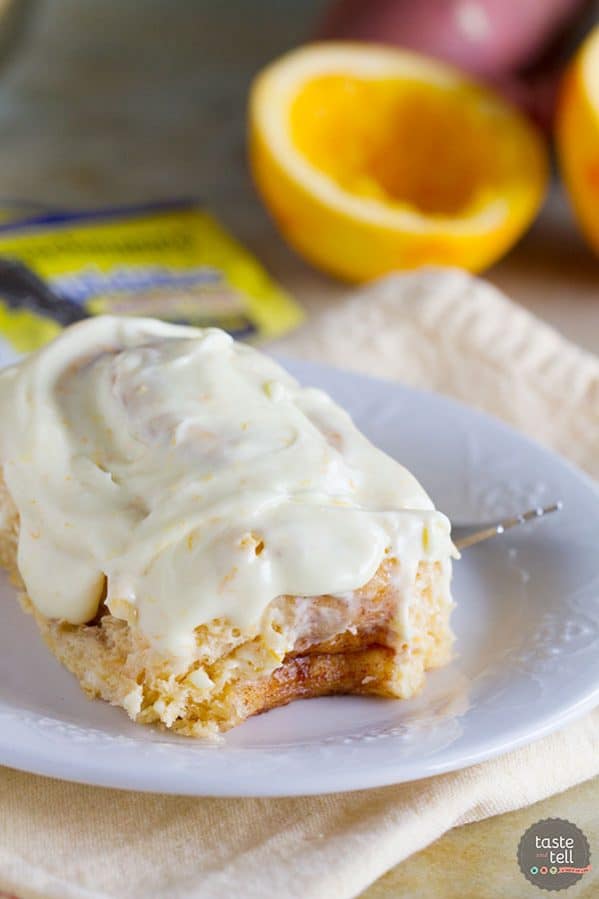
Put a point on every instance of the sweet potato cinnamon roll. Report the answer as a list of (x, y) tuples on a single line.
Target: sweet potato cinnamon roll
[(200, 538)]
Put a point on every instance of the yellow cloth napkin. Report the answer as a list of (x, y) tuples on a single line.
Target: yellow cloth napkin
[(435, 329)]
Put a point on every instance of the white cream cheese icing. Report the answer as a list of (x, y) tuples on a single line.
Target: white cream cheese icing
[(192, 478)]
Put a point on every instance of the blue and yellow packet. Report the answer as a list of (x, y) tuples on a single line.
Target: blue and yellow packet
[(169, 260), (14, 210)]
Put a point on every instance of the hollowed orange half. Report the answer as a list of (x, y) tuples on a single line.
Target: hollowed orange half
[(372, 159), (578, 136)]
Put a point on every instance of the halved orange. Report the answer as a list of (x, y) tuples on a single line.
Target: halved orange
[(577, 132), (372, 159)]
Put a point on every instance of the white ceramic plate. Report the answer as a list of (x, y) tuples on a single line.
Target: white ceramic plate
[(527, 622)]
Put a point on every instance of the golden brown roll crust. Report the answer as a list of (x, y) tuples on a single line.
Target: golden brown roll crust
[(306, 647)]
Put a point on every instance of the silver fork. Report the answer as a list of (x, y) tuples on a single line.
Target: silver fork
[(466, 535)]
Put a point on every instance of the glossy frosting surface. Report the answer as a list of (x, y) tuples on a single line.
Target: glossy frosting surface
[(191, 478)]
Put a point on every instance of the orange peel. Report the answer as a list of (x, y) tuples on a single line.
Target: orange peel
[(373, 159)]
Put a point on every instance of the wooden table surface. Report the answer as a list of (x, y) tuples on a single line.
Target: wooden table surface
[(117, 101)]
